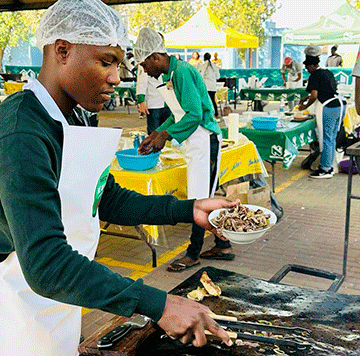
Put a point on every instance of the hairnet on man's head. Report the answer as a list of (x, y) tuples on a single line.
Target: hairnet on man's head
[(147, 43), (89, 22), (312, 50)]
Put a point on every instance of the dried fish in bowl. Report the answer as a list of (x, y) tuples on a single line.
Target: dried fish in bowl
[(241, 219)]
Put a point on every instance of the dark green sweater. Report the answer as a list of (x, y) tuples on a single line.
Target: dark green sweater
[(30, 217)]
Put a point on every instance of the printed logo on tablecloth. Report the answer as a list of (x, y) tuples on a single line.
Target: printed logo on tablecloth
[(288, 158), (310, 137), (257, 96), (237, 164), (271, 97), (302, 139), (171, 191), (297, 96), (222, 173), (253, 161), (283, 96), (295, 142), (276, 151), (99, 190)]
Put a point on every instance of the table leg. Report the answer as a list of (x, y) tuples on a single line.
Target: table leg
[(142, 237), (349, 196)]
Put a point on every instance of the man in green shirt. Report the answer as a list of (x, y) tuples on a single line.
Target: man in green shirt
[(51, 199), (192, 123)]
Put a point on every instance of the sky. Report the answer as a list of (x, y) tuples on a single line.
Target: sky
[(300, 13)]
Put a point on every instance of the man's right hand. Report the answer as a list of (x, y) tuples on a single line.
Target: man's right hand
[(147, 143), (143, 108), (186, 321)]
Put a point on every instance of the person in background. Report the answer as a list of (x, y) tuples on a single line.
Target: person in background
[(55, 186), (210, 73), (292, 69), (150, 102), (356, 74), (322, 89), (195, 60), (127, 66), (217, 60), (192, 124), (334, 60)]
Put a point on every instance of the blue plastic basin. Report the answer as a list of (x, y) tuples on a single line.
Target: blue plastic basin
[(264, 122), (131, 160)]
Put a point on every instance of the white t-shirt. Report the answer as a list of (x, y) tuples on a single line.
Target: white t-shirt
[(293, 71), (146, 85), (210, 73), (356, 70)]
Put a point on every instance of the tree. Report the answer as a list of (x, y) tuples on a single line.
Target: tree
[(246, 16), (15, 26), (162, 16)]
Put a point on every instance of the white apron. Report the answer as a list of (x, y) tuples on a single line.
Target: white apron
[(31, 325), (318, 107), (197, 150)]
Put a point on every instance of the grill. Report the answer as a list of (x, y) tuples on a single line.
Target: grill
[(332, 318)]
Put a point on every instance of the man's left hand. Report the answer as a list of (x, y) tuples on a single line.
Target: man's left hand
[(202, 209)]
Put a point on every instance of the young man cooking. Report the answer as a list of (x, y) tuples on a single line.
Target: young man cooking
[(54, 186), (191, 123)]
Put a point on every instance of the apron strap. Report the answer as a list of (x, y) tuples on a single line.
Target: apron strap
[(341, 101)]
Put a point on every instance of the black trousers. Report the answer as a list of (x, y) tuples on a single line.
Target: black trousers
[(212, 97), (197, 232)]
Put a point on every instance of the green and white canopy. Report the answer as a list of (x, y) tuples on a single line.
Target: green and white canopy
[(340, 27)]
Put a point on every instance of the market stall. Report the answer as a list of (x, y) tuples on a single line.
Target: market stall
[(282, 144)]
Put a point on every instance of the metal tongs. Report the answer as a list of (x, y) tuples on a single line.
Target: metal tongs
[(243, 325)]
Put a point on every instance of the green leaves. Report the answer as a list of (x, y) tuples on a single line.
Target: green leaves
[(15, 26)]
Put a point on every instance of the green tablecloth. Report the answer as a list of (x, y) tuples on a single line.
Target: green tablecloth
[(273, 94), (281, 144)]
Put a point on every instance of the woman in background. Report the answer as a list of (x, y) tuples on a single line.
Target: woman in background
[(195, 60), (210, 72)]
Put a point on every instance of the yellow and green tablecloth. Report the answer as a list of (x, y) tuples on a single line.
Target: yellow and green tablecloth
[(281, 144), (169, 177)]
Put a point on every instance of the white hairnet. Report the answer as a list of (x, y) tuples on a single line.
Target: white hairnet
[(82, 22), (312, 50), (148, 42)]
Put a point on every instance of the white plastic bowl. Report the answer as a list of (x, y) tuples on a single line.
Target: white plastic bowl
[(245, 237)]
